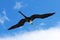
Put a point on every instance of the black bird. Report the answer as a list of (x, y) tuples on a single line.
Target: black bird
[(29, 19)]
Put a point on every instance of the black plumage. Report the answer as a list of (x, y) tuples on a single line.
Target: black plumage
[(29, 19), (41, 16)]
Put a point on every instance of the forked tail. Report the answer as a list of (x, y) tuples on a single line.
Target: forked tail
[(22, 14)]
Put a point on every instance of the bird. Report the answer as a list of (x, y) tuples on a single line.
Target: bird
[(29, 19)]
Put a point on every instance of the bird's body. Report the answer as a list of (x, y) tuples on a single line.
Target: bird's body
[(29, 19)]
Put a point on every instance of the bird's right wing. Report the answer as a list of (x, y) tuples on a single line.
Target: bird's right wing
[(20, 23), (41, 16)]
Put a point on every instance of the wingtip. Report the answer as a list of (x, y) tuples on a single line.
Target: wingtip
[(19, 11), (53, 13), (9, 29)]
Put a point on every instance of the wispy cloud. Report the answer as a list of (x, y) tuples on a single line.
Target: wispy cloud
[(18, 5), (3, 17), (50, 34)]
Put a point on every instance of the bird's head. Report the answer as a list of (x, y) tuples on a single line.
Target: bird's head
[(30, 22)]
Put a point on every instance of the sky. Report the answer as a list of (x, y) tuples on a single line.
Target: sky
[(42, 29)]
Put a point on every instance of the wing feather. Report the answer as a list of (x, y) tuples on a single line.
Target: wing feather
[(41, 16), (19, 24)]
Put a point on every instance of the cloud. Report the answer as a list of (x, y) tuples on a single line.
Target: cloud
[(18, 5), (3, 17), (49, 34)]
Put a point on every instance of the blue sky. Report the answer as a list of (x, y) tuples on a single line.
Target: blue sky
[(28, 7)]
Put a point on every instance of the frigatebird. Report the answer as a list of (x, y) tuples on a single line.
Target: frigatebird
[(29, 19)]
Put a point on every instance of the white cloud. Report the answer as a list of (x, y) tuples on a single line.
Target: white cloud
[(50, 34), (18, 5), (3, 17), (1, 20)]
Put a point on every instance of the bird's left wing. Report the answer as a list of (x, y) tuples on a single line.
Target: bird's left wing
[(41, 16), (19, 24)]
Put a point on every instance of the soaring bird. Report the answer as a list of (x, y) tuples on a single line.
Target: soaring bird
[(29, 19)]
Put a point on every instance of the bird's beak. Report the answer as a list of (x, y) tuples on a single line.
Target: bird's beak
[(30, 22)]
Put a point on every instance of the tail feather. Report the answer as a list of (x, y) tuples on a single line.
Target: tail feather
[(22, 14)]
